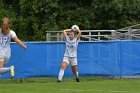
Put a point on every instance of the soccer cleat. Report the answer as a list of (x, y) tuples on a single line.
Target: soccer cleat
[(12, 72), (58, 81), (77, 80)]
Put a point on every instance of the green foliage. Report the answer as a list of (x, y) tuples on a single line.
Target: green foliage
[(32, 18)]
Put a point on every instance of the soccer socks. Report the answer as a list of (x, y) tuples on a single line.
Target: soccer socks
[(76, 75), (4, 70), (61, 74)]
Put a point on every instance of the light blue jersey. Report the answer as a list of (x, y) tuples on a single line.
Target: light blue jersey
[(71, 47), (5, 41)]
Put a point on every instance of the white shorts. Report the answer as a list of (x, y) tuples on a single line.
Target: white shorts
[(70, 60), (4, 56)]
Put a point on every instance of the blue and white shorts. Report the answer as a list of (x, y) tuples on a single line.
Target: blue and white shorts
[(70, 60), (4, 56)]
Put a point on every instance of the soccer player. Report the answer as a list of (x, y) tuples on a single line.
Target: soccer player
[(70, 55), (6, 34)]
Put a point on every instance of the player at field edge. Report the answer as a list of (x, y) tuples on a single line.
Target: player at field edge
[(6, 35), (70, 55)]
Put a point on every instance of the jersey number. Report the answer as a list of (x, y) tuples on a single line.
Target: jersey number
[(4, 40)]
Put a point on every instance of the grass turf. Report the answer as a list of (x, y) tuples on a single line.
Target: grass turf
[(87, 84)]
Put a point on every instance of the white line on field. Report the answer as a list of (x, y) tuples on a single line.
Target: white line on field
[(111, 91)]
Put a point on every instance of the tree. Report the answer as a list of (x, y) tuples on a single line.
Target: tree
[(32, 18)]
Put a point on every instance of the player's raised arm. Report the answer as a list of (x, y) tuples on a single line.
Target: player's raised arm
[(65, 32), (19, 42), (79, 34)]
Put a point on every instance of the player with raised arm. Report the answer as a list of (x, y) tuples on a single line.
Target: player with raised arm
[(70, 55), (6, 34)]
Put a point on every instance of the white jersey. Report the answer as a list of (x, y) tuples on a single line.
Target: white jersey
[(71, 47), (5, 41)]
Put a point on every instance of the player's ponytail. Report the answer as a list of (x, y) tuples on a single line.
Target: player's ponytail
[(5, 23)]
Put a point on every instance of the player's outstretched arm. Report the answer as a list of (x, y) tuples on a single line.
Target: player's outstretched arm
[(19, 42)]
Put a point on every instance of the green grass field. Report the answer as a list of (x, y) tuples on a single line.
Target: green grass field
[(87, 85)]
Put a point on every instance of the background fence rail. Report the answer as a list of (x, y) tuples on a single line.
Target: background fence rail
[(127, 33)]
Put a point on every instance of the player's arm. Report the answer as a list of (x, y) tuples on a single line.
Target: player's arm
[(79, 34), (65, 32), (19, 42)]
